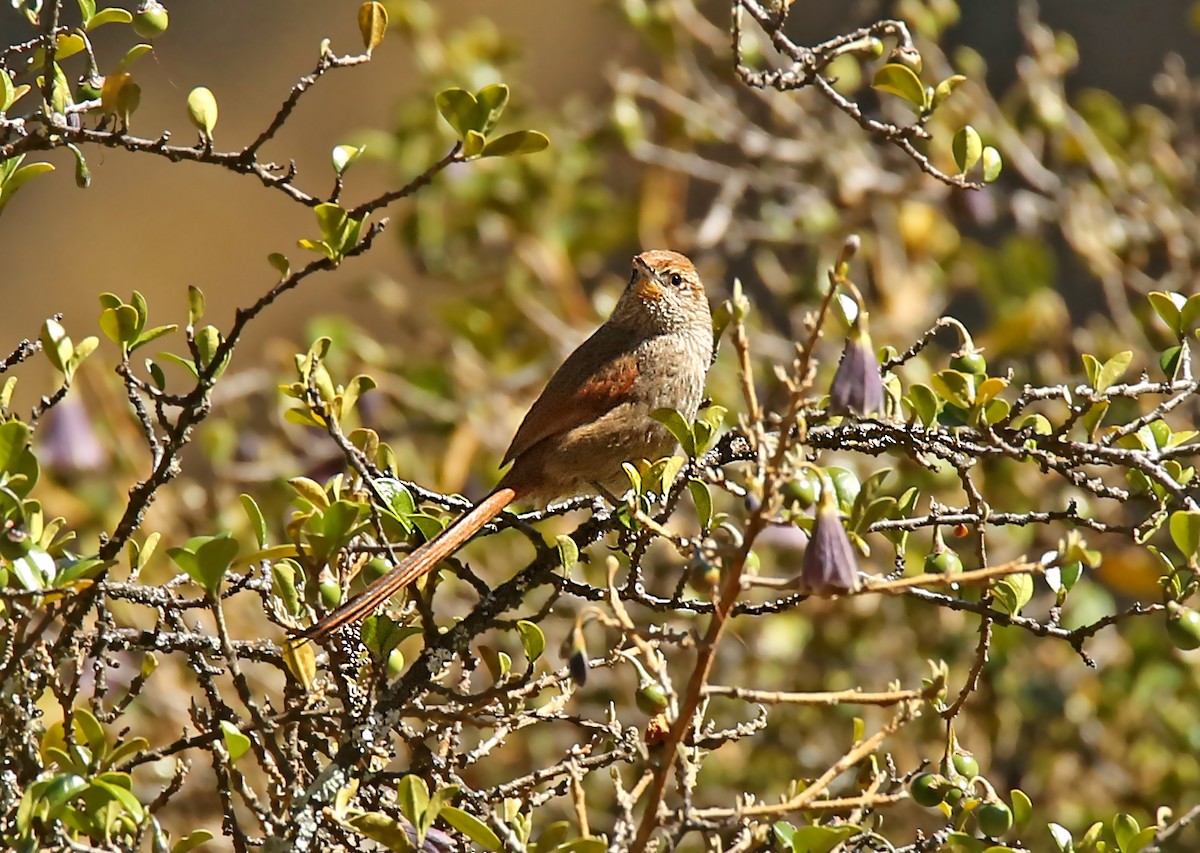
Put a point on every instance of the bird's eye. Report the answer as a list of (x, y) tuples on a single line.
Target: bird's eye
[(676, 279)]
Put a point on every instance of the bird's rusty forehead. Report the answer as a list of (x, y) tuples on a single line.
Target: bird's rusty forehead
[(664, 260)]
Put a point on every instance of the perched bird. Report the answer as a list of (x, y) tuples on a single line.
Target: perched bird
[(594, 414)]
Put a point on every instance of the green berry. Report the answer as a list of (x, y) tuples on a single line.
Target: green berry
[(926, 790), (970, 362), (150, 21), (965, 763), (994, 819), (651, 698), (802, 491), (845, 485), (375, 568), (395, 663), (943, 563), (1183, 627), (331, 593)]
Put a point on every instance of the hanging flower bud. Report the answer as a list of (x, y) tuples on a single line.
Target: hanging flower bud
[(829, 566), (68, 443), (577, 657), (857, 386)]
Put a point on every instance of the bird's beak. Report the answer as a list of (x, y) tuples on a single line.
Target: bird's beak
[(646, 285)]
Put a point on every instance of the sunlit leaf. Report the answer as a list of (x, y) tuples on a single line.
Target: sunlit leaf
[(516, 143), (901, 81), (372, 24)]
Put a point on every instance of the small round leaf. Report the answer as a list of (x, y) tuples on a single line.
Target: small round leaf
[(202, 110)]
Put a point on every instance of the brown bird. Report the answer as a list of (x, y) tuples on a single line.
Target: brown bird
[(594, 414)]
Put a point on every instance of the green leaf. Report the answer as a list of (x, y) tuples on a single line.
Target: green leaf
[(901, 81), (473, 144), (702, 499), (331, 219), (1022, 808), (472, 827), (344, 156), (533, 641), (339, 520), (206, 559), (946, 88), (280, 263), (56, 345), (19, 178), (381, 634), (591, 844), (1124, 828), (120, 324), (491, 103), (6, 392), (185, 363), (440, 799), (126, 750), (1168, 306), (924, 403), (82, 568), (459, 108), (499, 664), (954, 387), (967, 148), (7, 91), (1189, 315), (202, 110), (111, 15), (14, 438), (152, 335), (131, 56), (257, 523), (568, 551), (195, 305), (120, 794), (553, 836), (283, 584), (413, 795), (318, 246), (33, 570), (1113, 370), (1185, 532), (821, 839), (516, 143), (236, 742), (678, 427), (993, 163), (92, 731), (191, 841), (372, 24), (1013, 592), (68, 45), (1142, 839), (381, 829), (61, 790)]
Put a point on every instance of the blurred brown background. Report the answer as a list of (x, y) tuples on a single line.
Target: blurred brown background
[(136, 226)]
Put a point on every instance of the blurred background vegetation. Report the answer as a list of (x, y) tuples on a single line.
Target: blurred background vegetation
[(490, 276)]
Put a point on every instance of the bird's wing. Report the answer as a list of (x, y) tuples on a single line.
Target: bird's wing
[(594, 379)]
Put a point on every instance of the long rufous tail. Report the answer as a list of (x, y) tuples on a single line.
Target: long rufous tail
[(418, 563)]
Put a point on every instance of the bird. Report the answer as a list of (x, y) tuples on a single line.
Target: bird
[(595, 413)]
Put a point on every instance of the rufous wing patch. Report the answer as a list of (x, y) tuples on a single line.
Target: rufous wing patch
[(566, 404)]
